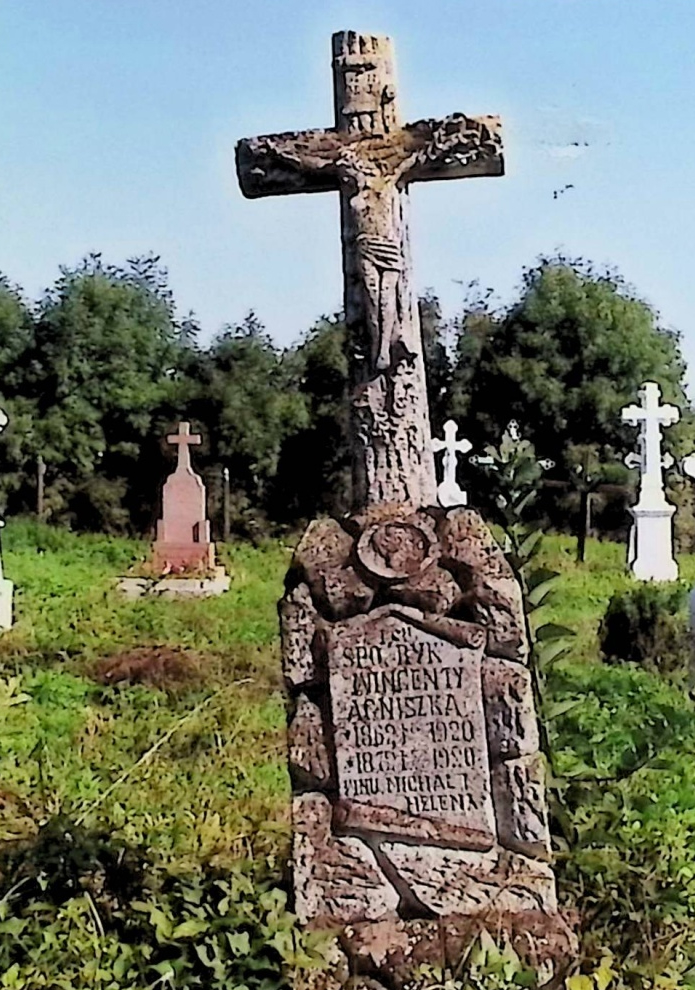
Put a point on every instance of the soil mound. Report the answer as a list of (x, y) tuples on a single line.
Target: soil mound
[(164, 667)]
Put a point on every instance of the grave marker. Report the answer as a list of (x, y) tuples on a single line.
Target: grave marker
[(413, 744), (6, 587), (650, 553), (372, 159), (449, 493), (183, 533)]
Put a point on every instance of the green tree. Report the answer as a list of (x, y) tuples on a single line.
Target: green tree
[(471, 330), (17, 331), (103, 360), (249, 407), (314, 472), (437, 363), (563, 361)]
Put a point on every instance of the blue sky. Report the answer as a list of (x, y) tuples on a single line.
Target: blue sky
[(118, 120)]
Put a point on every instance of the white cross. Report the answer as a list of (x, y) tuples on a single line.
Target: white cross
[(448, 492), (651, 417)]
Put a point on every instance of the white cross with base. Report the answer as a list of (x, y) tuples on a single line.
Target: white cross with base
[(448, 492), (183, 440), (651, 417)]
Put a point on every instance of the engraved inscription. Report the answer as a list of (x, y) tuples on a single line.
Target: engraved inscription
[(409, 724)]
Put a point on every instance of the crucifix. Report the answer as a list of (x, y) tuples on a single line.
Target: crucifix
[(183, 440), (371, 159), (650, 553), (651, 417), (448, 492)]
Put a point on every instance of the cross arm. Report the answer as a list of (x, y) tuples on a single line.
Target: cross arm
[(632, 415), (455, 147), (293, 162)]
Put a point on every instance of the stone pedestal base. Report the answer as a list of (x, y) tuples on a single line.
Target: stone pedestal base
[(176, 587), (650, 554), (6, 595), (180, 558), (419, 796)]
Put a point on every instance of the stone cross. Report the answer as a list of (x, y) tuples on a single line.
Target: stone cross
[(183, 440), (448, 492), (371, 158), (650, 553), (6, 587), (651, 417), (183, 533), (414, 753)]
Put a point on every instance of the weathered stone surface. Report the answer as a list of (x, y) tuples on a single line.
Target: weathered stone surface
[(356, 817), (449, 881), (491, 591), (334, 977), (175, 587), (297, 628), (512, 726), (468, 635), (432, 591), (398, 549), (519, 795), (323, 556), (308, 755), (409, 725), (371, 159), (408, 598), (393, 949), (544, 941), (183, 533), (336, 880)]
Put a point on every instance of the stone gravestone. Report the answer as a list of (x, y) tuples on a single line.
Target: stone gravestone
[(419, 804), (650, 553), (183, 533), (449, 493), (6, 587)]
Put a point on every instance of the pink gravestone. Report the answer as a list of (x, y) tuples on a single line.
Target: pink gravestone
[(183, 533)]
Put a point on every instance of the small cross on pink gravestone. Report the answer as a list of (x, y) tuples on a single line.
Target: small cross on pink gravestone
[(183, 532)]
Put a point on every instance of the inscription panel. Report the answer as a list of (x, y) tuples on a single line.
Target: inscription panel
[(409, 730)]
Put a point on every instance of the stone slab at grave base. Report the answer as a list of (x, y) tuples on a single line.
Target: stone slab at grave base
[(419, 805), (650, 556), (6, 596), (172, 558), (177, 587)]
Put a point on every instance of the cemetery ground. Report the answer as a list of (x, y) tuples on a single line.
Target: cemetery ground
[(144, 821)]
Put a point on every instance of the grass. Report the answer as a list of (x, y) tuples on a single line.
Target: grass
[(218, 788), (196, 773)]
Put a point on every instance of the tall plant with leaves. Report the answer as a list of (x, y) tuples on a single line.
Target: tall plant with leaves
[(514, 476)]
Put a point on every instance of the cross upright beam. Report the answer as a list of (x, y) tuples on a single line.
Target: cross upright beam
[(183, 441), (448, 492), (651, 417), (371, 159)]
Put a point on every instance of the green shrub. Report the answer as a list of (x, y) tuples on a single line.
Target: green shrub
[(79, 909), (645, 625)]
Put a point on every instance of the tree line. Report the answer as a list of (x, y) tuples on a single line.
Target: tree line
[(97, 371)]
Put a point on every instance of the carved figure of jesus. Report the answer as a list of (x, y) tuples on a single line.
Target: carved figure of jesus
[(371, 159)]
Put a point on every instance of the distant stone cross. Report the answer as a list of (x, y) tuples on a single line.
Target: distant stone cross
[(183, 440), (650, 550), (183, 533), (448, 492), (371, 159), (651, 417)]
